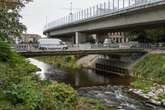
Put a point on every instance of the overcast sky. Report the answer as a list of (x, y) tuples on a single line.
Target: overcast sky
[(35, 13)]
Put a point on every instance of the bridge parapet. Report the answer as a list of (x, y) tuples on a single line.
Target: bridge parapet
[(88, 47), (26, 47), (105, 8)]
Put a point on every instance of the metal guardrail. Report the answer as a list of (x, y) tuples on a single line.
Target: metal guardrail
[(26, 47), (132, 45), (34, 47), (110, 7)]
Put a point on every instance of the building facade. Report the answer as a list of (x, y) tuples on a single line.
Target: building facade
[(27, 38), (118, 37)]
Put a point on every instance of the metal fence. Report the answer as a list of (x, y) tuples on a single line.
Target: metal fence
[(110, 7), (153, 46), (26, 47), (131, 45)]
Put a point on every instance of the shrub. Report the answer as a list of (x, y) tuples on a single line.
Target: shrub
[(60, 97), (5, 52), (25, 94)]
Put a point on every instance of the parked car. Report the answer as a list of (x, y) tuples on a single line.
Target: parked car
[(109, 43), (133, 44), (47, 43)]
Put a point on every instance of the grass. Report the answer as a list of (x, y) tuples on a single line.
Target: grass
[(151, 68), (142, 84), (162, 96), (91, 104), (149, 71)]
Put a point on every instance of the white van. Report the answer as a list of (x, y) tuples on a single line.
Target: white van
[(49, 43)]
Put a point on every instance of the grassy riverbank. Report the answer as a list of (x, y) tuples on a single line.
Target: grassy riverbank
[(151, 68), (149, 75), (64, 62)]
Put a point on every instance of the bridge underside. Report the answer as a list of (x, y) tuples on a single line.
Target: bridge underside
[(82, 52)]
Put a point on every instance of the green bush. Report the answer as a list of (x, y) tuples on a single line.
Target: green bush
[(60, 97), (5, 52), (25, 94), (14, 72)]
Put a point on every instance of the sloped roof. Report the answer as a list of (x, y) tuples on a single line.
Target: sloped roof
[(8, 3), (31, 35)]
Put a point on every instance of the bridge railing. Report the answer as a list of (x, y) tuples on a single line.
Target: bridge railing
[(110, 7), (121, 45), (34, 47), (131, 45), (26, 47)]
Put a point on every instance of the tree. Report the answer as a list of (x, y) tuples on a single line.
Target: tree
[(91, 40), (10, 25), (156, 35), (148, 35)]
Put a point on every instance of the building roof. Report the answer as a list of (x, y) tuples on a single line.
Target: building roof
[(31, 35), (8, 3), (11, 3)]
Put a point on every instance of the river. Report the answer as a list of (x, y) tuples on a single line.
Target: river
[(109, 89)]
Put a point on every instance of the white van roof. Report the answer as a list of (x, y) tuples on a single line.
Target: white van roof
[(49, 41)]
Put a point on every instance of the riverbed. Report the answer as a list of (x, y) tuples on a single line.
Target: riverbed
[(111, 90)]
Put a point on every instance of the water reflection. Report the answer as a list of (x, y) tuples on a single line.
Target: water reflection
[(41, 65), (47, 71), (83, 78)]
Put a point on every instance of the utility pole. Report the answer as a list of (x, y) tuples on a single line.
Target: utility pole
[(70, 17), (71, 8), (46, 20), (71, 13)]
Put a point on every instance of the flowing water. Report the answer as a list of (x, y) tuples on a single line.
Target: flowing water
[(109, 89), (83, 78)]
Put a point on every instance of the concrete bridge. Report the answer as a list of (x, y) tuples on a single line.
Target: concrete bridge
[(103, 62), (112, 59), (116, 15)]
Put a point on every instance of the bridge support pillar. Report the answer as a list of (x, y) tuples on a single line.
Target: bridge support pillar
[(80, 38)]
